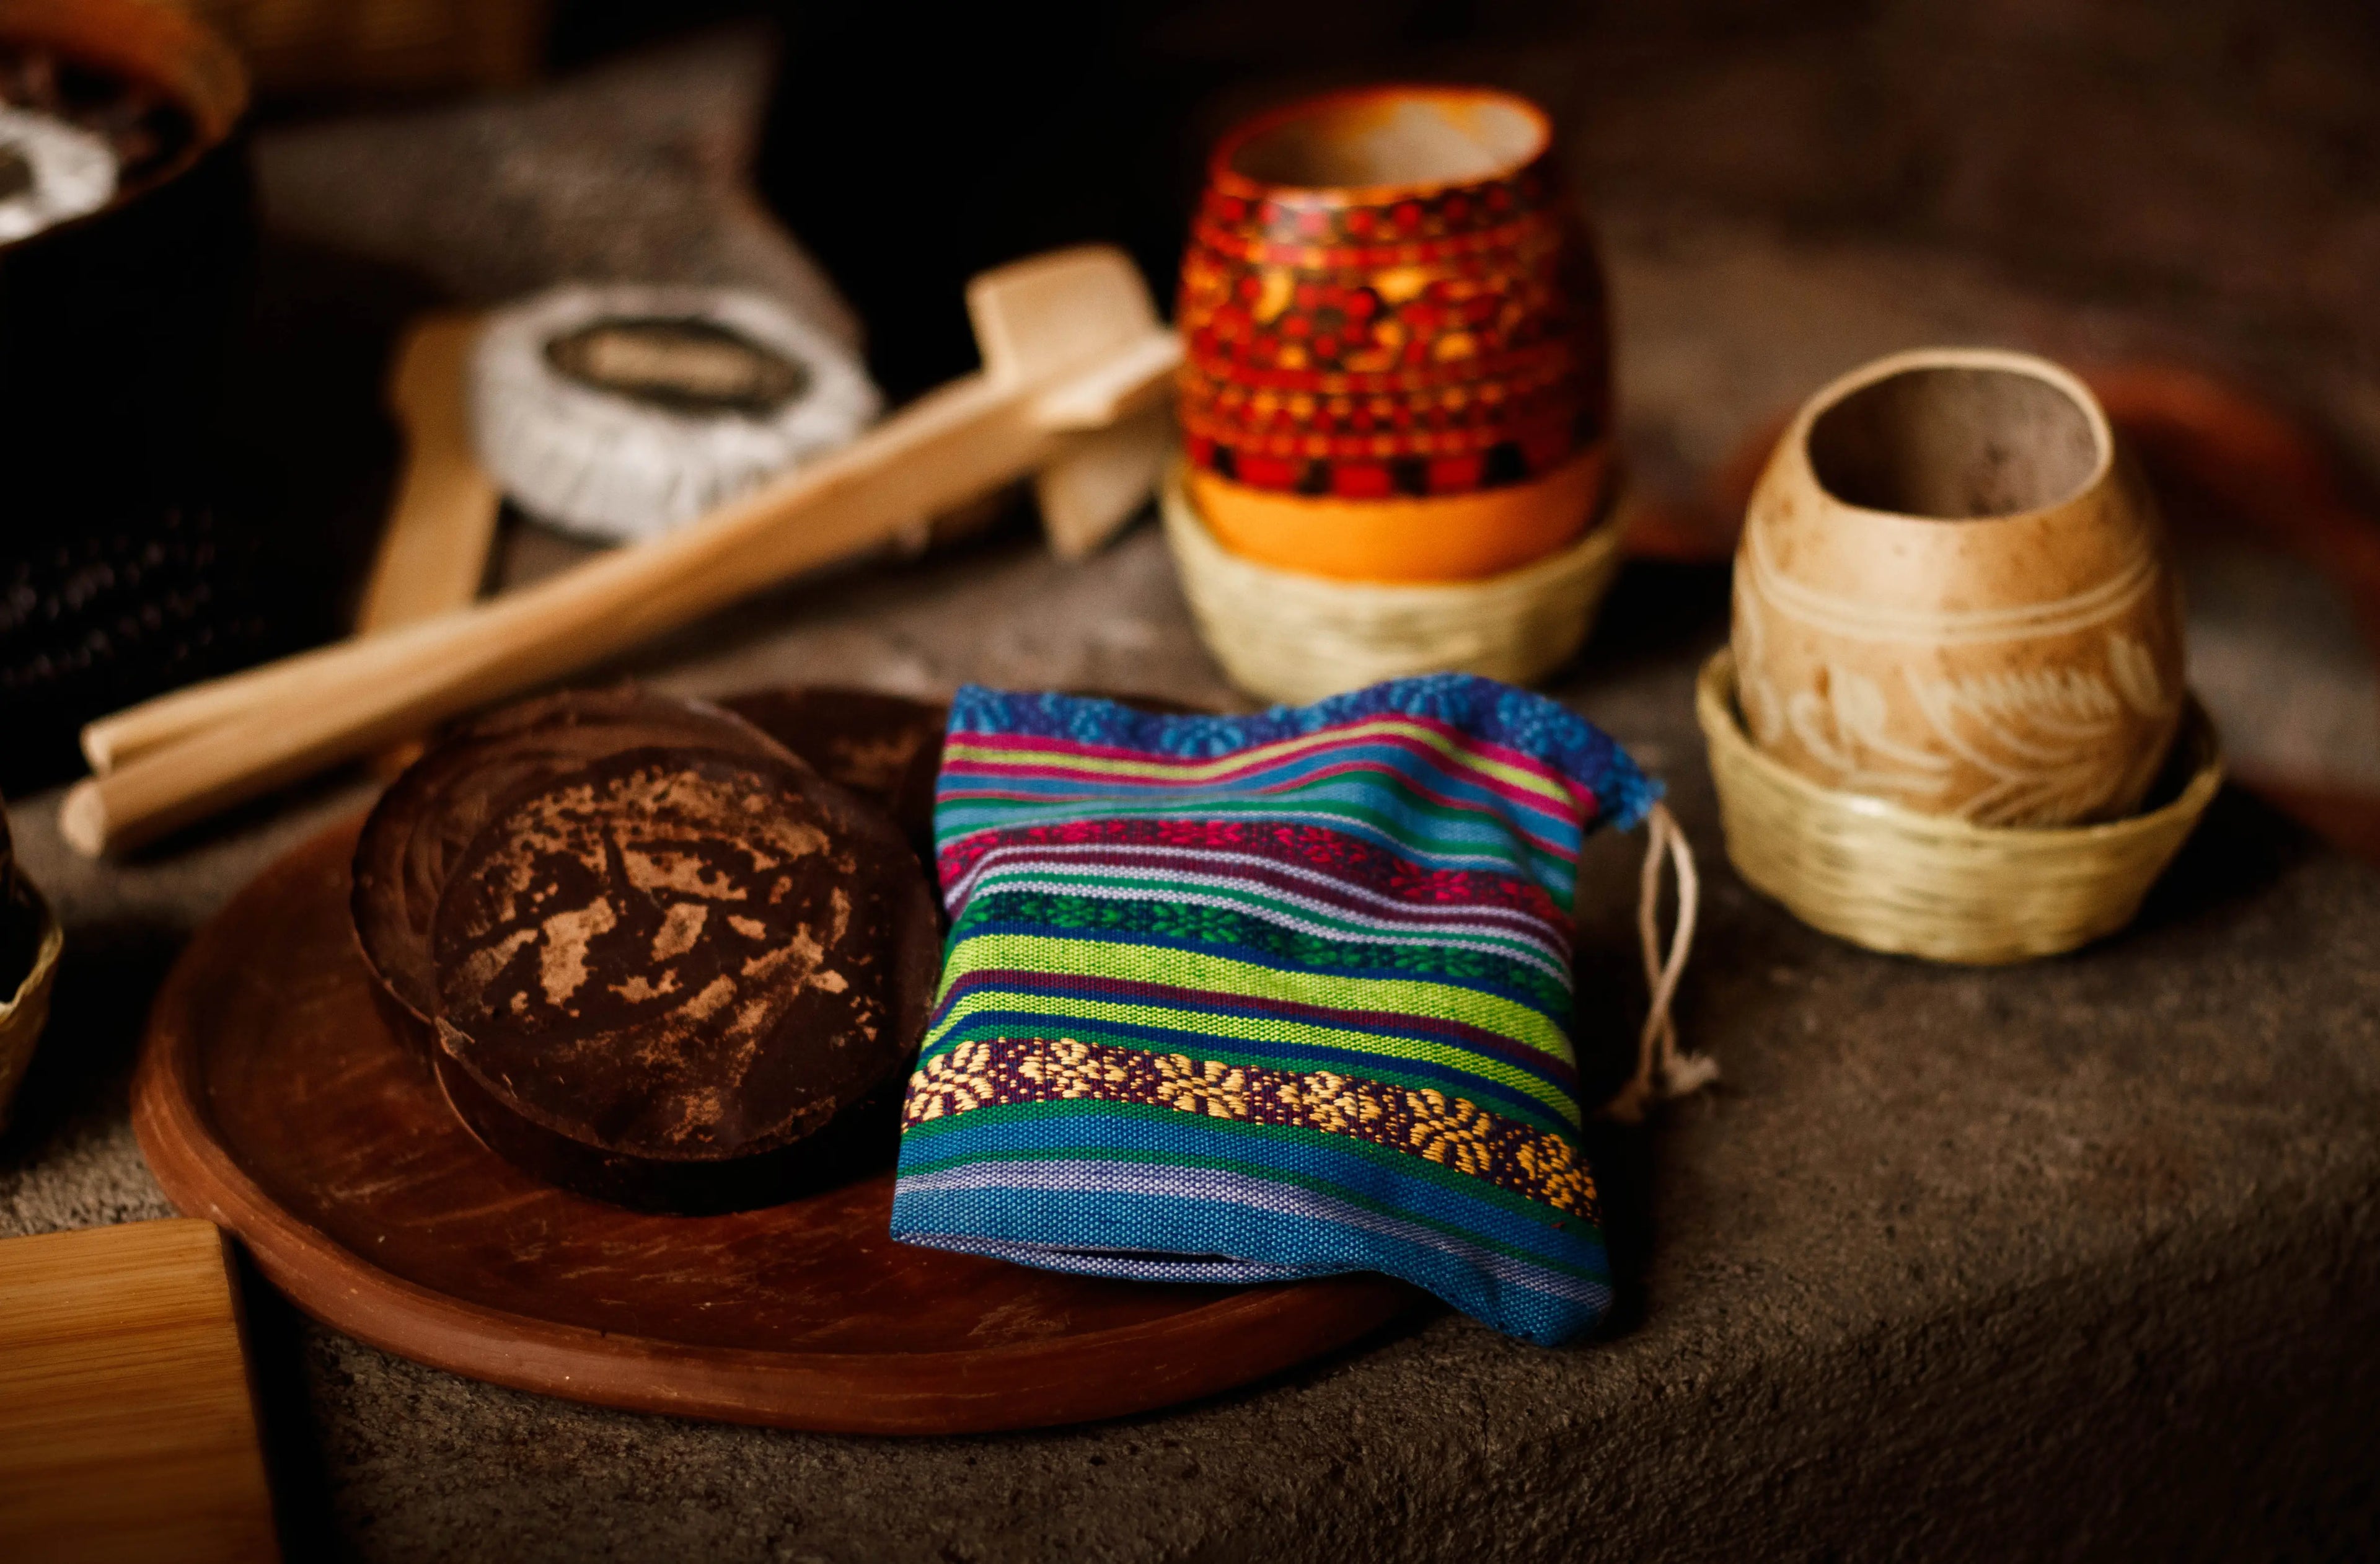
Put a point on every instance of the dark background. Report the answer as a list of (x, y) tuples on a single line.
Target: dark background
[(2215, 156), (1784, 190)]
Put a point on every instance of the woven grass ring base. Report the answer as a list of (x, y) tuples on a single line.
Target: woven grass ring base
[(1894, 879), (25, 1010), (1289, 636)]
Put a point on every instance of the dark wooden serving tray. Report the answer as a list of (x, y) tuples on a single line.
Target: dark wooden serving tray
[(272, 1099)]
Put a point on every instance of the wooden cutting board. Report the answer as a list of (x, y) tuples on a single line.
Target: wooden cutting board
[(273, 1098), (128, 1429)]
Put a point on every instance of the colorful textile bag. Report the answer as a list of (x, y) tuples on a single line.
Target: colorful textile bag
[(1250, 999)]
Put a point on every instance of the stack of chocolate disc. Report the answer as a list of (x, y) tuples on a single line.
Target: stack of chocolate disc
[(653, 954), (887, 748)]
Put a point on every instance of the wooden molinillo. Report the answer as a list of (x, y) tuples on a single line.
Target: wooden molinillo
[(652, 956), (1077, 369), (433, 551)]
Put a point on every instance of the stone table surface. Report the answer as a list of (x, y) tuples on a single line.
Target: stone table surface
[(2021, 1262), (2075, 1259)]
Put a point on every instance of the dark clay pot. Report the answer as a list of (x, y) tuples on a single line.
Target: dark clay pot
[(114, 327)]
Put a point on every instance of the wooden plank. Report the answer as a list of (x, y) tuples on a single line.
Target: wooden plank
[(128, 1425)]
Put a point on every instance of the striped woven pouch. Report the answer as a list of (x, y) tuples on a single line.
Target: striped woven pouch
[(1249, 999)]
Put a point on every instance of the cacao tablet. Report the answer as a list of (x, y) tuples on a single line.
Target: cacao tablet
[(887, 748), (431, 813), (662, 975)]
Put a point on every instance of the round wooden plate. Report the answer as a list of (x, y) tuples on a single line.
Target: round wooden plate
[(271, 1099)]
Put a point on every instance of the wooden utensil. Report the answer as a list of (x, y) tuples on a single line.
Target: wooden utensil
[(433, 554), (434, 551), (286, 1110), (128, 1429), (1073, 349)]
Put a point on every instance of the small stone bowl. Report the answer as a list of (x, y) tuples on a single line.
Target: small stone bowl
[(25, 1011), (1892, 879)]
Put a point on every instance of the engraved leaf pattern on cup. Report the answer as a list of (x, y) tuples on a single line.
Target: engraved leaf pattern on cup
[(2045, 735), (2042, 741), (1843, 723), (1757, 692)]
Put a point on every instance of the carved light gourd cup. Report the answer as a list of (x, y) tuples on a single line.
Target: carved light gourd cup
[(1953, 592), (1396, 366)]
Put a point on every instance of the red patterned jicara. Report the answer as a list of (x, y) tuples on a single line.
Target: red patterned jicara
[(1386, 295)]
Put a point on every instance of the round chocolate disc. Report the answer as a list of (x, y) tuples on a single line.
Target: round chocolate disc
[(674, 955), (431, 813), (887, 748)]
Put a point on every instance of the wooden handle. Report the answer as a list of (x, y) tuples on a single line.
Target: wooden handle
[(432, 554), (967, 439)]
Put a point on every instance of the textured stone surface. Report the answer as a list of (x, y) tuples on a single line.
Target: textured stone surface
[(2051, 1260), (2078, 1259), (629, 175)]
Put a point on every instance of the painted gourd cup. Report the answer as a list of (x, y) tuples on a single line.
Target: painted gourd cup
[(1397, 366), (1953, 592)]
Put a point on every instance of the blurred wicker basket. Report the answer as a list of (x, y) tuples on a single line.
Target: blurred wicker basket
[(305, 46), (26, 1010), (1290, 637), (1892, 879)]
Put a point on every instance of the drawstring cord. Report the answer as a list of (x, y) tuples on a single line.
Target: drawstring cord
[(1663, 1070)]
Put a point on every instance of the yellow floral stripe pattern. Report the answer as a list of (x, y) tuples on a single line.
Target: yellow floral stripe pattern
[(1452, 1131)]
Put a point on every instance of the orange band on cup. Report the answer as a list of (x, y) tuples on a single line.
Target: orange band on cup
[(1401, 538)]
